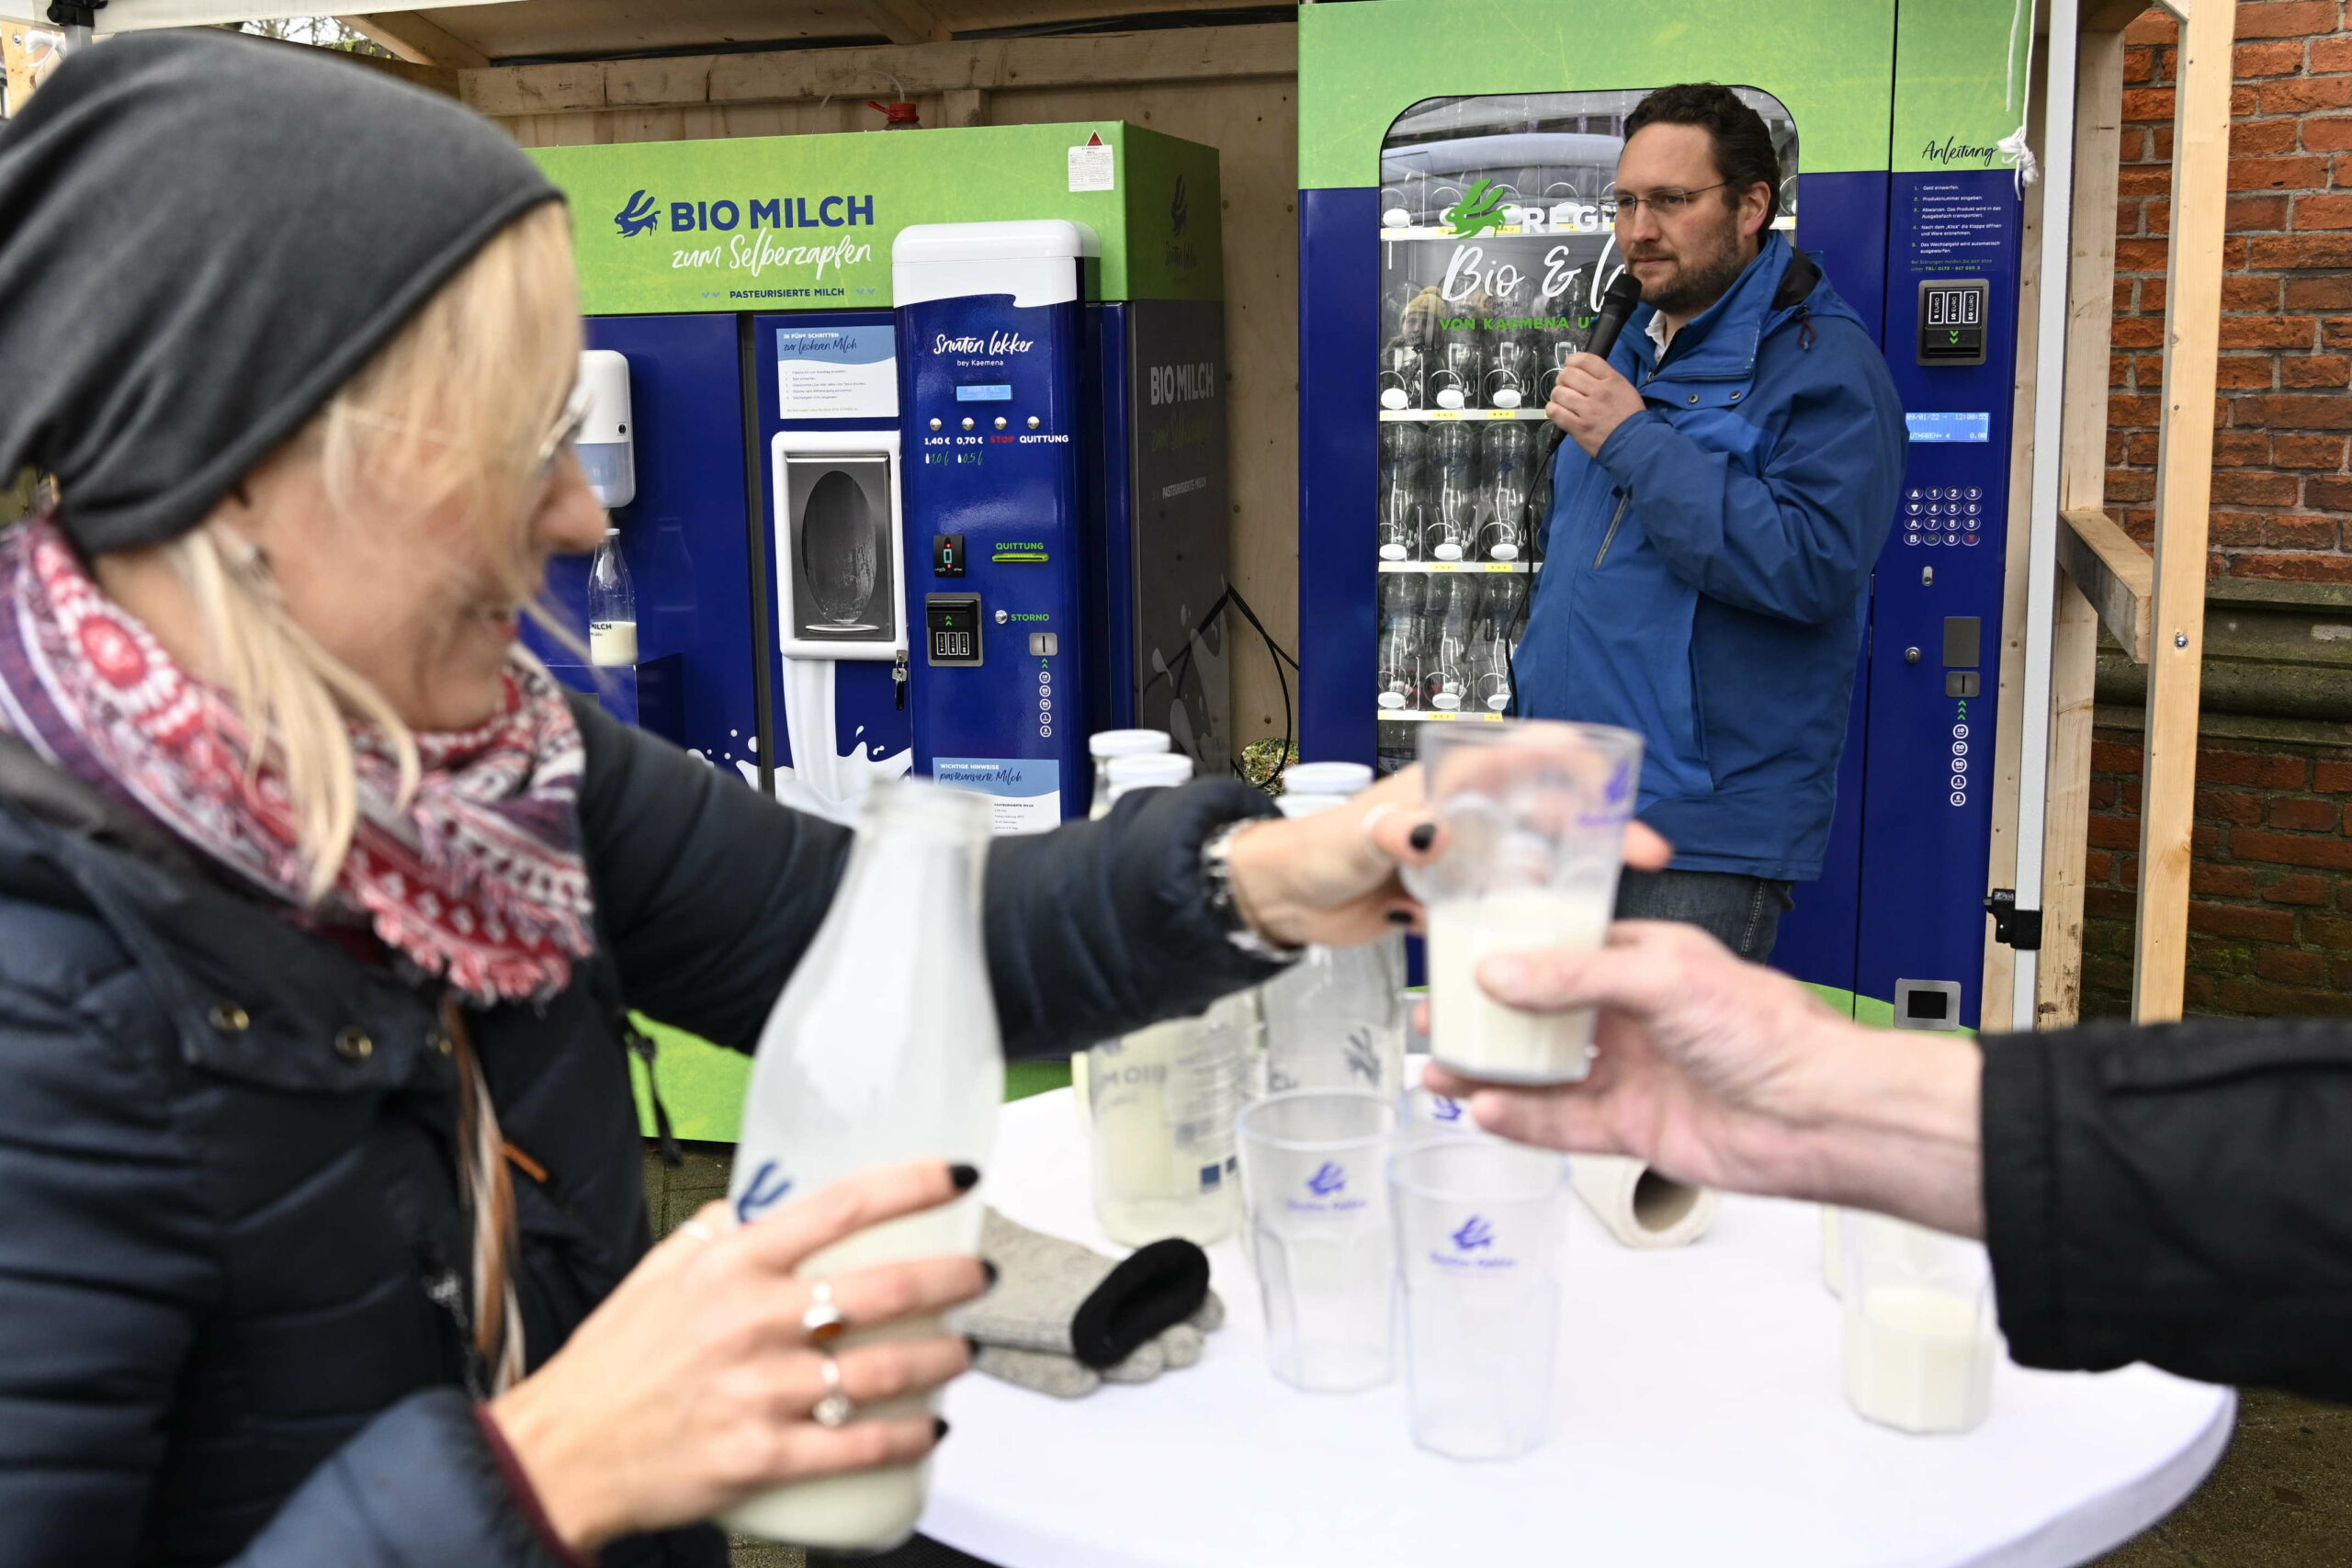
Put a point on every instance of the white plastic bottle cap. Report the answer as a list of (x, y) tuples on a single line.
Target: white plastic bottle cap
[(1392, 699), (1392, 552), (1505, 552), (1394, 397), (1327, 779), (1506, 398), (1158, 770), (1126, 742), (1449, 398), (1447, 552)]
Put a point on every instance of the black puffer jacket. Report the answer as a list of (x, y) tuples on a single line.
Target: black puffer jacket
[(228, 1200)]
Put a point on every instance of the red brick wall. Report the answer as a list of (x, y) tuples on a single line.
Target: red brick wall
[(2280, 484), (2270, 911), (2270, 920)]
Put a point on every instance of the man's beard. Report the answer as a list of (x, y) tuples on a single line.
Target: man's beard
[(1699, 281)]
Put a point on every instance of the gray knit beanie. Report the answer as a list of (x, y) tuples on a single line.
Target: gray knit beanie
[(201, 239)]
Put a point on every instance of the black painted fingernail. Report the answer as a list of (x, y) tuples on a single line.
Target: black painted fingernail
[(989, 1271), (964, 1177), (938, 1428), (1424, 836), (1400, 917), (972, 1342)]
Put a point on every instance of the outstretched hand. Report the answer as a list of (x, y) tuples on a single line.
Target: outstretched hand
[(1726, 1074), (1332, 877)]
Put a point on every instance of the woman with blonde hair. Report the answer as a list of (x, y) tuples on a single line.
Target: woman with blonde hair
[(322, 1236)]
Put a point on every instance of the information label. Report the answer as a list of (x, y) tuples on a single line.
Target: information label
[(837, 373), (1027, 790)]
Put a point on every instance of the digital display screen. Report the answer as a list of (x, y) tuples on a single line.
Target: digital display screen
[(993, 394)]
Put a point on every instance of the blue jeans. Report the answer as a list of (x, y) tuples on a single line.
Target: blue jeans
[(1742, 912)]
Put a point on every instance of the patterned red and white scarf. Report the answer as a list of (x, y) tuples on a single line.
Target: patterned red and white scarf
[(478, 881)]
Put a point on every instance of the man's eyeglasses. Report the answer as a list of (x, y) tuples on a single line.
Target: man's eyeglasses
[(1664, 205)]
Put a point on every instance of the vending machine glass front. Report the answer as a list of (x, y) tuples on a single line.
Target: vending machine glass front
[(1496, 245)]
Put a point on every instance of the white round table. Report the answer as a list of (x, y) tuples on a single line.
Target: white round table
[(1697, 1421)]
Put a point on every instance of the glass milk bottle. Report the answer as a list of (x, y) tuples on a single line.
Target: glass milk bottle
[(882, 1048), (1336, 1018), (612, 606), (1163, 1101), (1104, 747)]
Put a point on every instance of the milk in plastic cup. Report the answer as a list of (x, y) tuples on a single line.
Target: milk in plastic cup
[(1920, 1341), (1533, 815), (1318, 1235), (1481, 1227)]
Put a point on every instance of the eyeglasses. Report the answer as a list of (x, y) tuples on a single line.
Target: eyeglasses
[(1664, 205), (566, 430)]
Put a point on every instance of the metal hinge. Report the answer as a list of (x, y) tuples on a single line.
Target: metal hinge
[(2021, 929)]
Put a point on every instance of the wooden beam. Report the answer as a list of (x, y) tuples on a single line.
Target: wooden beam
[(2201, 170), (2115, 574), (414, 39), (963, 106), (904, 21), (2082, 485), (2110, 16), (2074, 676), (987, 64)]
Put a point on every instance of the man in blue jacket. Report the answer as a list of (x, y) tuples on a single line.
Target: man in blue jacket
[(1729, 474)]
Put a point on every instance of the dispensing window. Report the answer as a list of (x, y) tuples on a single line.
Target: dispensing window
[(837, 512), (1952, 319), (952, 621)]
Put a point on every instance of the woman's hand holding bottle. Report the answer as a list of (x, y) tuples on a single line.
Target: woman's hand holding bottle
[(692, 1387)]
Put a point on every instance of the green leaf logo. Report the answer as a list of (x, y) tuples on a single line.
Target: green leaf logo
[(1480, 209)]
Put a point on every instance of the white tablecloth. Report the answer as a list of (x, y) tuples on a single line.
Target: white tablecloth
[(1697, 1421)]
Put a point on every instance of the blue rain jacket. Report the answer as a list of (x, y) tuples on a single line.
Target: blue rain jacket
[(1705, 576)]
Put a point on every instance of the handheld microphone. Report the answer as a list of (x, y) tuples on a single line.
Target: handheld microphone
[(1616, 305)]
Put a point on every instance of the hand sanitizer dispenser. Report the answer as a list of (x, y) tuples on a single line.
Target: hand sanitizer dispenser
[(607, 451)]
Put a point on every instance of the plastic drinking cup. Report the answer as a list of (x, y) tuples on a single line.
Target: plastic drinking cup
[(1534, 816), (1481, 1226), (1920, 1344), (1319, 1234)]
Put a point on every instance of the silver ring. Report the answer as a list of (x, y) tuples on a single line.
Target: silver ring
[(834, 1409), (698, 1230), (822, 1322)]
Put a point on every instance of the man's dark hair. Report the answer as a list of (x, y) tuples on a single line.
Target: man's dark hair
[(1743, 155)]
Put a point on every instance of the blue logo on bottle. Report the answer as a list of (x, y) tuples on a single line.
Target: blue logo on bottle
[(640, 214), (1444, 1109), (1475, 1233), (763, 1191), (1331, 1179)]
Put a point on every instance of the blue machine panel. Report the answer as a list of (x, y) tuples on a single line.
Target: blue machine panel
[(1339, 471), (1936, 620), (683, 538), (1007, 475)]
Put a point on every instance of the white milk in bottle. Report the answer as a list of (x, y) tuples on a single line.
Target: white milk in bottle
[(1163, 1100), (1103, 747), (882, 1048), (1480, 1037)]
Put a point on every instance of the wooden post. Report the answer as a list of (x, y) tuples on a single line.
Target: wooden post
[(963, 106), (2184, 488)]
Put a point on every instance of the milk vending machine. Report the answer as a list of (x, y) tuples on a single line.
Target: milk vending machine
[(928, 450), (1453, 250), (929, 447)]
